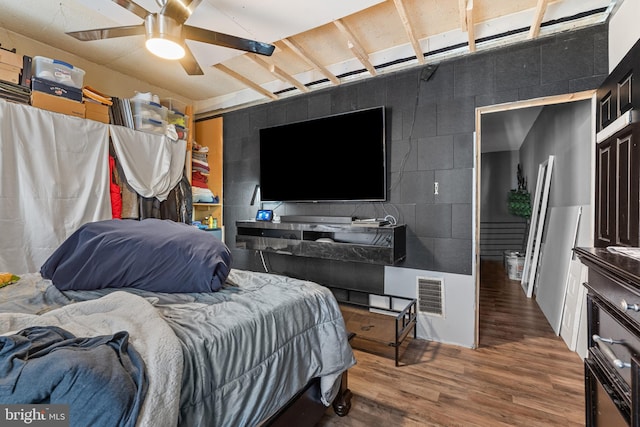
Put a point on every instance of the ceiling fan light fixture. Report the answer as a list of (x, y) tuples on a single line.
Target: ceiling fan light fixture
[(164, 37), (165, 48)]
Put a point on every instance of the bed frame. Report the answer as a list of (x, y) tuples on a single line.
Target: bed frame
[(306, 409)]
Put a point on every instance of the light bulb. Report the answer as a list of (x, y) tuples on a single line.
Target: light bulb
[(165, 48)]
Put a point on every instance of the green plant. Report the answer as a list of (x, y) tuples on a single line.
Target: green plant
[(519, 202)]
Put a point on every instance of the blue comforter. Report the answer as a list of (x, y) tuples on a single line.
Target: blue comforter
[(154, 255), (101, 378)]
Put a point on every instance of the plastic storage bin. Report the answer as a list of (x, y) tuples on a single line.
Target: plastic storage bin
[(177, 118), (148, 110), (182, 132), (174, 105), (180, 121), (147, 124), (58, 71)]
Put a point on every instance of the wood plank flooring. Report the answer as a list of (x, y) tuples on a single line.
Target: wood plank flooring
[(521, 374)]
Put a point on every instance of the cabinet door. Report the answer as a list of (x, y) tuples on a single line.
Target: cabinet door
[(627, 189), (617, 189), (605, 206)]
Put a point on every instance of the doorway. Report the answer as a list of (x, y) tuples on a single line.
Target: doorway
[(521, 114)]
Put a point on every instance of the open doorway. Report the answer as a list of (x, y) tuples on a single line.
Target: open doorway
[(500, 132)]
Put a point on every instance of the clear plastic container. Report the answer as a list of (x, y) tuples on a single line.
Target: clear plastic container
[(182, 132), (148, 110), (58, 71), (147, 124), (174, 105)]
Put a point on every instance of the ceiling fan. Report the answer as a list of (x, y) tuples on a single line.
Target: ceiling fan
[(166, 33)]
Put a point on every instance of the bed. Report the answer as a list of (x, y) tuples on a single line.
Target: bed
[(239, 353)]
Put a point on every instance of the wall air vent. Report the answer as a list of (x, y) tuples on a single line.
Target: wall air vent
[(431, 296)]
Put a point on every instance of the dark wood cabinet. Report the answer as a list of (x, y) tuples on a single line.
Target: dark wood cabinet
[(612, 382), (617, 189), (619, 92), (617, 156)]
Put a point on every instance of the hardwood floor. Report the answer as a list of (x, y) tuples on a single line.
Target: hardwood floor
[(521, 374)]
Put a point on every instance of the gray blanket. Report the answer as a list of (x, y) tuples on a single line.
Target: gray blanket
[(247, 349)]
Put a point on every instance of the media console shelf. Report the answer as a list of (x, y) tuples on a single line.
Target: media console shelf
[(345, 242)]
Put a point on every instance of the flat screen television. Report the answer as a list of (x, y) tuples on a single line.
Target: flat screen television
[(337, 158)]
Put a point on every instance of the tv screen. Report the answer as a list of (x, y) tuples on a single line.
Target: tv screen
[(330, 159)]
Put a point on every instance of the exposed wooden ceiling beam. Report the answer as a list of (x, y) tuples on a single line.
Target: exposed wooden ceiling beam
[(409, 30), (309, 59), (355, 46), (470, 27), (277, 71), (462, 9), (541, 8), (246, 81)]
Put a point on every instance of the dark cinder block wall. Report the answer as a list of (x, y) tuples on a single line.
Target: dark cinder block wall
[(430, 125)]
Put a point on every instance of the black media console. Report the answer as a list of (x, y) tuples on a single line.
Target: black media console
[(384, 245)]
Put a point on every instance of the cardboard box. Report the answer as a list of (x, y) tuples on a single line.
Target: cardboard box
[(97, 112), (10, 76), (7, 67), (97, 117), (57, 104), (96, 108), (56, 89), (10, 58)]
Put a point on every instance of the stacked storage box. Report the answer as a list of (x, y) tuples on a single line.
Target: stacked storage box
[(148, 116), (12, 76), (10, 66), (176, 116), (57, 86), (96, 105)]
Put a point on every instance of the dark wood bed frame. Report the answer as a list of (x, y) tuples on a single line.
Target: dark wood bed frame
[(306, 407)]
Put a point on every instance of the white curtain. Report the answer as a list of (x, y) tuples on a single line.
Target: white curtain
[(153, 164), (54, 177)]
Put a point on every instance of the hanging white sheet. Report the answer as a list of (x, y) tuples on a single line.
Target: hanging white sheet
[(152, 164), (54, 177)]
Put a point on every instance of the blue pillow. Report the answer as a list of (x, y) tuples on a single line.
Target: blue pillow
[(152, 254)]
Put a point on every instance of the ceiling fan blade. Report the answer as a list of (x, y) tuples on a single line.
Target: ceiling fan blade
[(180, 10), (108, 33), (132, 7), (226, 40), (190, 64)]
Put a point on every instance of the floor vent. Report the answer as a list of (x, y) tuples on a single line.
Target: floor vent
[(430, 296)]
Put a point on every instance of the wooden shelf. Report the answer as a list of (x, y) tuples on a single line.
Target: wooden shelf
[(208, 133), (213, 205)]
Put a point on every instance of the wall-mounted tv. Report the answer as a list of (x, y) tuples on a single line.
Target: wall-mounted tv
[(337, 158)]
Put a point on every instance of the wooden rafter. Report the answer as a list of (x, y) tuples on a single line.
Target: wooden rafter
[(470, 27), (309, 59), (462, 9), (246, 81), (541, 8), (277, 71), (355, 46), (415, 43)]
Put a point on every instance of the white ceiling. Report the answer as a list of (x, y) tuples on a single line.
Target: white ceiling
[(318, 44), (506, 130)]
